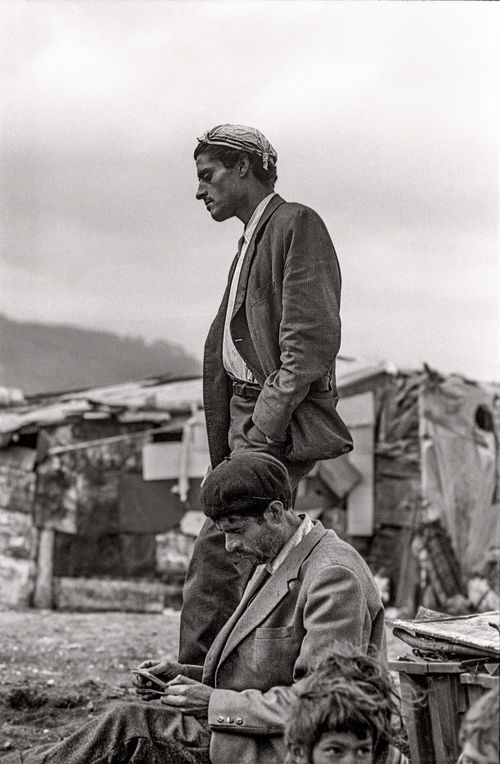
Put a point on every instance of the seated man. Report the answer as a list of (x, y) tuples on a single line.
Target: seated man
[(346, 711), (309, 591)]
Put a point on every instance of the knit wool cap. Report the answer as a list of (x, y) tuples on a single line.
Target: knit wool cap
[(245, 484), (243, 138)]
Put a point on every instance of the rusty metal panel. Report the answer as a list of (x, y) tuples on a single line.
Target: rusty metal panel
[(77, 489), (17, 478), (17, 535)]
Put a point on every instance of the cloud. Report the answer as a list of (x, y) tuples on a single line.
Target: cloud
[(385, 120)]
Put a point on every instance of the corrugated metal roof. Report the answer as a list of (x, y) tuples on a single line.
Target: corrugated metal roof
[(146, 400), (351, 370)]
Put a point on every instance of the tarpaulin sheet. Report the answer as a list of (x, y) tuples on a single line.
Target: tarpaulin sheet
[(458, 469)]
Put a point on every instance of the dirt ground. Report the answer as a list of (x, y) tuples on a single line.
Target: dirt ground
[(58, 670)]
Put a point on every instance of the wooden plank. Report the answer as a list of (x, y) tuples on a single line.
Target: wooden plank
[(409, 667), (339, 475), (481, 680), (164, 460), (470, 630), (425, 667), (160, 461), (446, 689), (358, 410), (414, 699), (95, 594), (16, 580), (439, 750), (43, 596), (360, 501)]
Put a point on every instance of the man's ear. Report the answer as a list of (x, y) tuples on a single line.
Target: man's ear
[(243, 165), (277, 509)]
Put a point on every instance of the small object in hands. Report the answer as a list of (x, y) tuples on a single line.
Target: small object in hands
[(149, 677)]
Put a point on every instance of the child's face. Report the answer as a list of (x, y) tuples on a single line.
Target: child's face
[(342, 748)]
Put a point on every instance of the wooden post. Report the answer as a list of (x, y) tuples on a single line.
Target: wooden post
[(43, 596), (414, 696)]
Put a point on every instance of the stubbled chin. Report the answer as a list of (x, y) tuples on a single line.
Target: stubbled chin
[(219, 215), (250, 557)]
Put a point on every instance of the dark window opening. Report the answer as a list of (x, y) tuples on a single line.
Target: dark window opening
[(25, 439), (484, 419), (167, 437)]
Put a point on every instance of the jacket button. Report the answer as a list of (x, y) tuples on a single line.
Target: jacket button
[(239, 720), (220, 719), (229, 720)]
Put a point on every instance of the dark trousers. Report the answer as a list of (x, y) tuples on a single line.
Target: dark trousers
[(129, 733), (215, 579)]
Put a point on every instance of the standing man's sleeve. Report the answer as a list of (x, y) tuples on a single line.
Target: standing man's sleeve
[(309, 336)]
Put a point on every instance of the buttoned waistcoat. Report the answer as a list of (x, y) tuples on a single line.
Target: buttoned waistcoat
[(286, 326), (322, 594)]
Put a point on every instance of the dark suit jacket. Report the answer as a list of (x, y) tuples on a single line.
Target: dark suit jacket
[(286, 326), (322, 593)]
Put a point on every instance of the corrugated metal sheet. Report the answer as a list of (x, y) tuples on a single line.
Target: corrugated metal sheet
[(145, 401), (153, 399)]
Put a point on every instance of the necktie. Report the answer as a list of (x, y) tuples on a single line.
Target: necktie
[(241, 241)]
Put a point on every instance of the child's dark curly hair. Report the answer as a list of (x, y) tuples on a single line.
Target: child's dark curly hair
[(346, 692)]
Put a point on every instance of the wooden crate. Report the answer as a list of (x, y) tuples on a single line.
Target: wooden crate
[(435, 697)]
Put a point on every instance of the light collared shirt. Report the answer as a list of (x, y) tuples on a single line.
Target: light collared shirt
[(232, 360), (304, 528)]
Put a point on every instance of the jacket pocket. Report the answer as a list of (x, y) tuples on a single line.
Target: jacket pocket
[(262, 293), (279, 632)]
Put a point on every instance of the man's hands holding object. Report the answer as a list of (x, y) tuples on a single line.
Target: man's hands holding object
[(163, 680)]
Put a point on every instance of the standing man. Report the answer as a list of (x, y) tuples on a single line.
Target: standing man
[(269, 366)]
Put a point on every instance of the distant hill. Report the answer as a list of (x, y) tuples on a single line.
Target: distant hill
[(39, 358)]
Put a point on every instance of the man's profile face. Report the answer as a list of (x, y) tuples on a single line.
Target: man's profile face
[(342, 748), (257, 539), (219, 187)]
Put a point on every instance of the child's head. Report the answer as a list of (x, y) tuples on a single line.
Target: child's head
[(479, 732), (346, 711)]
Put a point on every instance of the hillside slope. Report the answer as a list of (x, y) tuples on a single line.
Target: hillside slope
[(49, 358)]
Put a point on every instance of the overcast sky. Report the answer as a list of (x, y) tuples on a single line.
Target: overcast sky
[(385, 117)]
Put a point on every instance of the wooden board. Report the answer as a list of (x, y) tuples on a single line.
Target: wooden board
[(471, 631), (94, 594), (16, 581)]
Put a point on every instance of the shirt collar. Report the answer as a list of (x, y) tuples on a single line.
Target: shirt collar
[(256, 216), (304, 528)]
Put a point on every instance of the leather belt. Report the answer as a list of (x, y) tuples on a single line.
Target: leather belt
[(246, 390)]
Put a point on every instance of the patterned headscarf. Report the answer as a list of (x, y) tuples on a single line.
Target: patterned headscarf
[(242, 138)]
